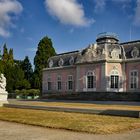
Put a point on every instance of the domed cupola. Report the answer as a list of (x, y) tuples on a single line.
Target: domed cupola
[(107, 37)]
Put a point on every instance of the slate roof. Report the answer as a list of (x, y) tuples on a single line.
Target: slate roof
[(65, 57), (128, 47)]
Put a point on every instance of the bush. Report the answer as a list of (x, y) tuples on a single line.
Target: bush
[(30, 92)]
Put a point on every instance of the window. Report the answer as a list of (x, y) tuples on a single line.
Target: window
[(134, 79), (59, 83), (91, 80), (49, 83), (70, 82), (135, 52), (71, 61), (115, 54), (61, 62), (114, 79), (50, 63)]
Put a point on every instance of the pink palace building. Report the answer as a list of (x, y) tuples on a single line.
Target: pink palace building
[(105, 66)]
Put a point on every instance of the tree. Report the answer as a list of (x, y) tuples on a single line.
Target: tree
[(1, 64), (11, 57), (44, 51), (27, 68), (5, 53)]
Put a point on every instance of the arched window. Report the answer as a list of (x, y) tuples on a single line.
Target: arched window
[(135, 52), (71, 61), (61, 62), (91, 80), (114, 79), (50, 63)]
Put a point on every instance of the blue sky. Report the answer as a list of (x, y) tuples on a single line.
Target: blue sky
[(71, 24)]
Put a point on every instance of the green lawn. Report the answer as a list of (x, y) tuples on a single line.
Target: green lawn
[(95, 124)]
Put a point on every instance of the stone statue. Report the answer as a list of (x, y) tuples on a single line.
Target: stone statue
[(3, 92), (2, 84)]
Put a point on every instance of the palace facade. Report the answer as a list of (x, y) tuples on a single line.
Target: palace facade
[(105, 66)]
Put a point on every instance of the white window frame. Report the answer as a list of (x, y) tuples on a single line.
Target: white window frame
[(70, 80), (134, 78), (59, 79), (91, 73), (114, 73), (49, 81)]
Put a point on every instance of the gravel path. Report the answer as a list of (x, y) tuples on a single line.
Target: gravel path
[(15, 131)]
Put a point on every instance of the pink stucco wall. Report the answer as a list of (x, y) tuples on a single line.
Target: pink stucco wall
[(112, 66), (79, 73), (129, 67), (63, 72), (83, 69)]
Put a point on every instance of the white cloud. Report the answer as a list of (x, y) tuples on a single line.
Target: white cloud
[(99, 5), (68, 12), (8, 9), (121, 0), (137, 14)]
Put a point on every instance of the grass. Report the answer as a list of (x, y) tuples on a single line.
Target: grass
[(95, 124), (78, 105)]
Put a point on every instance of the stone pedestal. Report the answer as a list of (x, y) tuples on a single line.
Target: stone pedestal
[(3, 98)]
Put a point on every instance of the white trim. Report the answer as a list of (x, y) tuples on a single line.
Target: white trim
[(68, 80), (114, 72), (59, 79), (90, 73), (49, 80), (137, 79)]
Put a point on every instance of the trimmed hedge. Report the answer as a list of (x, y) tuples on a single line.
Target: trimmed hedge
[(24, 93)]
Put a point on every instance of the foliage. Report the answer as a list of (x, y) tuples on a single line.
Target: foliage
[(5, 53), (29, 92), (44, 51), (11, 57), (19, 73), (13, 72), (22, 84), (27, 68)]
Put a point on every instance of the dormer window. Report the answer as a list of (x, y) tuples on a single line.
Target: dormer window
[(135, 52), (50, 63), (61, 62), (115, 54), (71, 61)]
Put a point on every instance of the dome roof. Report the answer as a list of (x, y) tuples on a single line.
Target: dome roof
[(107, 37)]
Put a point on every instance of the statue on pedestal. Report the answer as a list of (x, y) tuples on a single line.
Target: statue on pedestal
[(3, 92), (2, 84)]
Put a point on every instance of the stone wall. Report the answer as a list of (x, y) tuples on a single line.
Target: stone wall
[(96, 96)]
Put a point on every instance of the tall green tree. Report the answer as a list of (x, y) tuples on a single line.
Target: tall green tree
[(5, 55), (44, 51), (11, 57), (27, 68), (13, 71), (1, 64)]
